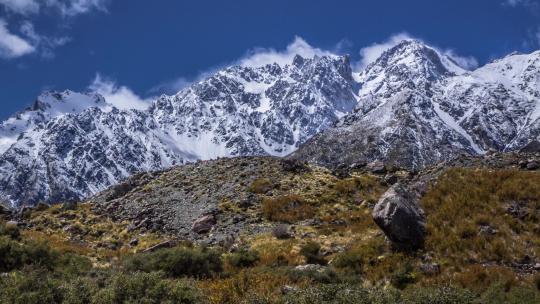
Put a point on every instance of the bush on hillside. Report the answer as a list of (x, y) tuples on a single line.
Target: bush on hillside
[(178, 262)]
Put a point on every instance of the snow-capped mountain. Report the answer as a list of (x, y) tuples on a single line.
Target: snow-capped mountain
[(417, 107), (412, 107), (237, 111), (47, 106)]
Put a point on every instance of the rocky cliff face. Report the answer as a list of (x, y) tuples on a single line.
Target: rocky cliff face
[(269, 110), (413, 107), (417, 108)]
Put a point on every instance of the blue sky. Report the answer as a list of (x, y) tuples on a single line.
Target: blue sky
[(142, 48)]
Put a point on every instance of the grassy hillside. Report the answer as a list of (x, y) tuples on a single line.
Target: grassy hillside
[(482, 244)]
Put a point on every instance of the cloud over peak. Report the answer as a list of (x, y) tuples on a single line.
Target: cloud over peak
[(120, 97), (372, 52), (262, 56)]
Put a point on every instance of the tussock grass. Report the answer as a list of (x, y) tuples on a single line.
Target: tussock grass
[(469, 221)]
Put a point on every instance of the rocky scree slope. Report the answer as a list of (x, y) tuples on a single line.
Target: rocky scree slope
[(268, 110), (417, 108)]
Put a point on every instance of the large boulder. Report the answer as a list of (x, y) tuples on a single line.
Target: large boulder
[(204, 224), (400, 217)]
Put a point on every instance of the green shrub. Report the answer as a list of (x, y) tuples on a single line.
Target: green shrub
[(14, 255), (343, 294), (443, 295), (324, 276), (10, 230), (32, 286), (178, 262), (80, 291), (349, 260), (244, 258), (70, 264), (146, 288), (500, 294), (312, 252), (403, 276)]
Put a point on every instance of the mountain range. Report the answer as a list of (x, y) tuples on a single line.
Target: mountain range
[(413, 107)]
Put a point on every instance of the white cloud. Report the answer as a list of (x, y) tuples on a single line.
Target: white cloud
[(256, 57), (121, 97), (11, 45), (371, 53), (70, 8), (262, 56), (67, 8), (23, 7), (45, 44)]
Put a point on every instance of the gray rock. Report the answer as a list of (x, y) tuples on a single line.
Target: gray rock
[(431, 268), (287, 289), (376, 167), (400, 217), (281, 232), (487, 230), (533, 165), (203, 224), (310, 267), (134, 242)]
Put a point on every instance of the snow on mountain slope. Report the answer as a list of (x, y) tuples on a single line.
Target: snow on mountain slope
[(46, 107), (237, 111), (412, 107), (417, 108)]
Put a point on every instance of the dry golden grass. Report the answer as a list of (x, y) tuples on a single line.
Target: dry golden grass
[(261, 186), (248, 286), (287, 208), (465, 204)]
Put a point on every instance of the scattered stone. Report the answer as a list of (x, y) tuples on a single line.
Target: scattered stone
[(281, 232), (518, 210), (12, 224), (166, 244), (533, 165), (390, 179), (431, 268), (250, 200), (294, 165), (339, 222), (400, 217), (4, 210), (74, 229), (204, 224), (287, 289), (341, 171), (487, 230), (310, 268), (134, 242), (376, 167)]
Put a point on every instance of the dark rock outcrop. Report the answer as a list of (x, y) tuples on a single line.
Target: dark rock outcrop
[(400, 217)]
